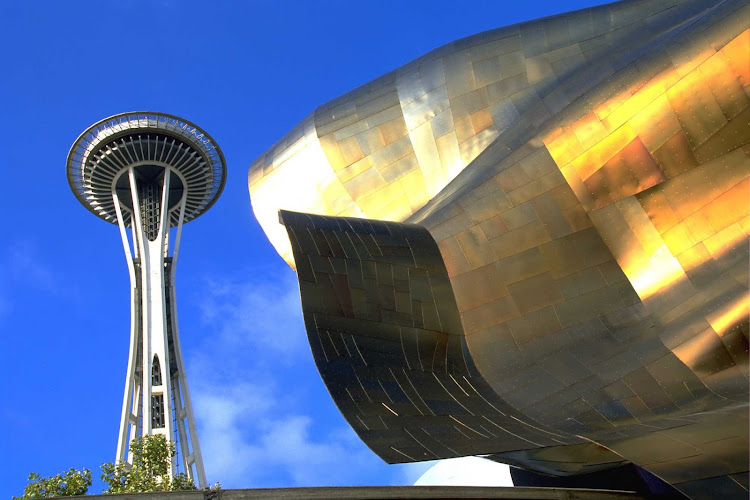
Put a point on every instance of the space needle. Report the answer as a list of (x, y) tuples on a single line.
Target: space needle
[(151, 173)]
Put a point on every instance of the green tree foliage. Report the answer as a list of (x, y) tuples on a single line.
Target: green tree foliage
[(149, 471), (71, 482)]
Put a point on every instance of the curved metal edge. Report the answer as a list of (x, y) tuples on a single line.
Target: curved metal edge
[(387, 338)]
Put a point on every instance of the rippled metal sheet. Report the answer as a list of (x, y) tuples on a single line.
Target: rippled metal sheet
[(387, 338), (595, 230)]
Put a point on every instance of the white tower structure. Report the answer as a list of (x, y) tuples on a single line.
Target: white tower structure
[(151, 173)]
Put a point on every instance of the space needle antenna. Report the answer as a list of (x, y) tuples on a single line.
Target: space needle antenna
[(150, 172)]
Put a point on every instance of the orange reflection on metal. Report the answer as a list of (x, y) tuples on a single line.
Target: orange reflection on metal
[(732, 314), (650, 274), (633, 105)]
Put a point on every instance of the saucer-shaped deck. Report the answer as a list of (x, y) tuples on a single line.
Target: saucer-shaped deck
[(100, 158)]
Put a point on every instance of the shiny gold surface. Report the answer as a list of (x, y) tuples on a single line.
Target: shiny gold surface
[(592, 216)]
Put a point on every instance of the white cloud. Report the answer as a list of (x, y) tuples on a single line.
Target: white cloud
[(22, 266), (466, 471), (251, 381), (250, 438), (263, 314)]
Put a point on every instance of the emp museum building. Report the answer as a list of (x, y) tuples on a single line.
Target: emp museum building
[(531, 244)]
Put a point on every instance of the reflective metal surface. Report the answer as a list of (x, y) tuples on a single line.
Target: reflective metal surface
[(592, 220)]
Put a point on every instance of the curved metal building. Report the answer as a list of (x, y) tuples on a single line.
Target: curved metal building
[(532, 243)]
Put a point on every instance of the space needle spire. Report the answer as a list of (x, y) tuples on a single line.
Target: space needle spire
[(150, 173)]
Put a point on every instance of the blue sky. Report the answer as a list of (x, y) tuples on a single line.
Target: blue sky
[(246, 72)]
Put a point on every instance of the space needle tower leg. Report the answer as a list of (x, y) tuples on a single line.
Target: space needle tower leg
[(183, 408), (156, 392)]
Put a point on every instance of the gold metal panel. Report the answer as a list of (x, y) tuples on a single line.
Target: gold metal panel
[(640, 99), (518, 240), (577, 217), (476, 247), (536, 187), (368, 181), (464, 129), (724, 85), (637, 247), (507, 43), (486, 71), (370, 140), (736, 53), (333, 152), (520, 266), (735, 134), (593, 158), (399, 168), (562, 256), (455, 261), (442, 124), (450, 156), (696, 108), (581, 282), (552, 216), (428, 157), (468, 103), (392, 130), (487, 207), (535, 293), (459, 77), (496, 312), (630, 171), (656, 123), (414, 186), (589, 130), (425, 107), (494, 226), (481, 120), (478, 287), (675, 156), (350, 150), (658, 209), (535, 325), (387, 115), (519, 215), (513, 177), (355, 169)]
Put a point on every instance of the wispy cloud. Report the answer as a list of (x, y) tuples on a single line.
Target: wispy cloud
[(251, 384), (264, 314), (23, 266)]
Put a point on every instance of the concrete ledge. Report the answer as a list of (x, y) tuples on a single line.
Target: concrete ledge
[(384, 492)]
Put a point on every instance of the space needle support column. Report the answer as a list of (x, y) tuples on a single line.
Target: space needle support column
[(156, 391), (129, 415), (182, 404), (153, 403)]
